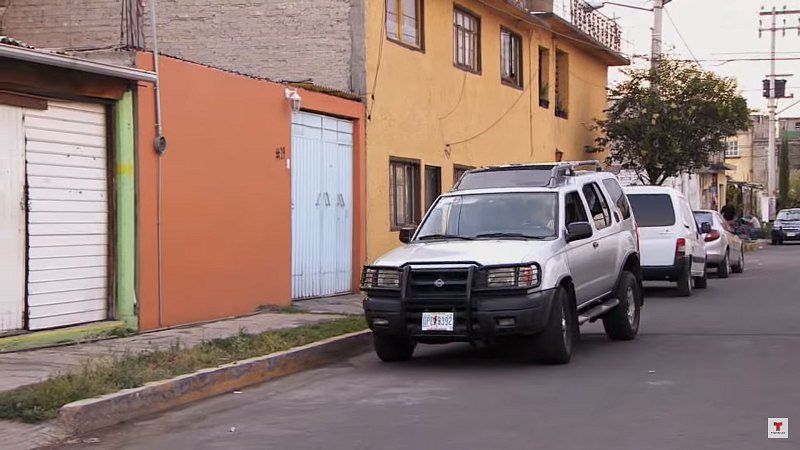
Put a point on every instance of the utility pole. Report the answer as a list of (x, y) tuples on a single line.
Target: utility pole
[(772, 104), (658, 18)]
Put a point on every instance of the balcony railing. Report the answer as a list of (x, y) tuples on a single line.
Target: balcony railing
[(600, 27)]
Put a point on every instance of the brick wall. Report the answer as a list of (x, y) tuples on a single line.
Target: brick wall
[(279, 39)]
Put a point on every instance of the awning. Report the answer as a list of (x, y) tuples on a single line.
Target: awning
[(71, 62)]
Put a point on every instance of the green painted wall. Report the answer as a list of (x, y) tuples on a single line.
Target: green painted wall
[(126, 213)]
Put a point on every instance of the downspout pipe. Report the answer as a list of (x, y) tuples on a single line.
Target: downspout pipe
[(160, 145)]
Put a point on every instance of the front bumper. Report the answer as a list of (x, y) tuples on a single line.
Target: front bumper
[(786, 235), (475, 318)]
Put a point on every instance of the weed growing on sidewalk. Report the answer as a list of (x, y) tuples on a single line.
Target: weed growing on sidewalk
[(42, 401)]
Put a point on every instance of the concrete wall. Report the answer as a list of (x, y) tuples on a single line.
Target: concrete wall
[(226, 208), (425, 108), (278, 39)]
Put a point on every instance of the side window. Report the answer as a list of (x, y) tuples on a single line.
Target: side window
[(598, 207), (618, 197), (574, 209)]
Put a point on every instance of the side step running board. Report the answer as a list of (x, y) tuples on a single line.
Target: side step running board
[(598, 311)]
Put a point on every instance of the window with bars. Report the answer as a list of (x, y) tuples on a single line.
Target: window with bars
[(562, 84), (433, 185), (544, 77), (404, 22), (466, 40), (732, 149), (510, 58), (404, 194)]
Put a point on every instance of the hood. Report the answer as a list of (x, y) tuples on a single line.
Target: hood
[(484, 252)]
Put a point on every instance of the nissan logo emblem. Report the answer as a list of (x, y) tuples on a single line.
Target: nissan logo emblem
[(438, 283)]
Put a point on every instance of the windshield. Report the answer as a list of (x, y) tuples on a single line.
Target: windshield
[(793, 214), (652, 210), (525, 215)]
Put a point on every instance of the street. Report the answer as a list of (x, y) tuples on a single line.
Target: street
[(705, 372)]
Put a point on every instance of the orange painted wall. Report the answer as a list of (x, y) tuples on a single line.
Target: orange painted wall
[(226, 198)]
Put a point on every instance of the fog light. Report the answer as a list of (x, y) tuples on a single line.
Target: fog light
[(380, 322), (506, 322)]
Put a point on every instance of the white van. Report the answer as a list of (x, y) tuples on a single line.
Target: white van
[(671, 242)]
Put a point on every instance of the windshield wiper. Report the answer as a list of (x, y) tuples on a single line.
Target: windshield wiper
[(508, 235), (443, 236)]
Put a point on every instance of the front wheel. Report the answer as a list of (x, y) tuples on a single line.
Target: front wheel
[(724, 268), (393, 349), (685, 283), (622, 322), (554, 344), (739, 267)]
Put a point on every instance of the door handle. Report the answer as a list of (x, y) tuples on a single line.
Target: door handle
[(595, 244)]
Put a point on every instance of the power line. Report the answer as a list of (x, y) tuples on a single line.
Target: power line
[(669, 16)]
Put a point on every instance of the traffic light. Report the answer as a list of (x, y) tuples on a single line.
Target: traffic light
[(780, 88)]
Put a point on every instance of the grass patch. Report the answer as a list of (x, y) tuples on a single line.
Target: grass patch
[(40, 402)]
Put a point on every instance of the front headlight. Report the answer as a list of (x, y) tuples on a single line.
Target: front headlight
[(513, 277), (380, 278)]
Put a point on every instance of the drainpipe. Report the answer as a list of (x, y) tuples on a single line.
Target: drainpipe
[(160, 145)]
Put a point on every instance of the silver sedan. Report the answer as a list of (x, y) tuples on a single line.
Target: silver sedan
[(724, 249)]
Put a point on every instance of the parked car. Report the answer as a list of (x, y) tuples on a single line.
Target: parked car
[(786, 226), (523, 253), (724, 248), (672, 246)]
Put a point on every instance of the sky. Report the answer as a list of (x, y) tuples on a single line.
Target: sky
[(715, 31)]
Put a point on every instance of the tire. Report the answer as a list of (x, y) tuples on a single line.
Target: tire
[(739, 267), (554, 344), (685, 283), (393, 349), (701, 282), (724, 268), (622, 322)]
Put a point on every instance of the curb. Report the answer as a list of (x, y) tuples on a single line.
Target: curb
[(89, 415)]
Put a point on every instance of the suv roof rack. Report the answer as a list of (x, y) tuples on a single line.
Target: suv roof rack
[(546, 175)]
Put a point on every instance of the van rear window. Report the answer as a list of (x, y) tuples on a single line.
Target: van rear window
[(652, 210)]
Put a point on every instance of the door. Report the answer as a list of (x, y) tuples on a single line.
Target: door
[(656, 216), (695, 245), (581, 254), (605, 246), (68, 215), (322, 205), (12, 218)]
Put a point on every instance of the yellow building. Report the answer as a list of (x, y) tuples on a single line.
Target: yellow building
[(460, 84), (739, 153)]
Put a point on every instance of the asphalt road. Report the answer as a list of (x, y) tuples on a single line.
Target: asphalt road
[(705, 373)]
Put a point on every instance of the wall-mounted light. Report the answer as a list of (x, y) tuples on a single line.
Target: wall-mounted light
[(294, 98)]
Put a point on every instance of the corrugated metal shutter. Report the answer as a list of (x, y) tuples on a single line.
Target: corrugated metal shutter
[(322, 210), (68, 235)]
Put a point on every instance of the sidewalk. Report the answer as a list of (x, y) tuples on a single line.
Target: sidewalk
[(32, 366)]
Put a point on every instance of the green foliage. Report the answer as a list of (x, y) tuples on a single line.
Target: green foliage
[(671, 120)]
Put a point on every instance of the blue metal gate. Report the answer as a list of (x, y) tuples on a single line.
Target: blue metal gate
[(322, 205)]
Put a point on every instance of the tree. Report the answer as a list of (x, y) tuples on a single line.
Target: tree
[(784, 173), (674, 125)]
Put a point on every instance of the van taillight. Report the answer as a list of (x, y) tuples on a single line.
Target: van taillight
[(680, 248)]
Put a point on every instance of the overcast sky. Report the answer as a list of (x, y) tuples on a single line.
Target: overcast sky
[(718, 30)]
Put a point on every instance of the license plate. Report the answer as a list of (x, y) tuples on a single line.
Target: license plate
[(437, 321), (791, 234)]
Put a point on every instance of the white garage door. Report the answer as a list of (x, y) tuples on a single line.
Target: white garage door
[(68, 236), (322, 205)]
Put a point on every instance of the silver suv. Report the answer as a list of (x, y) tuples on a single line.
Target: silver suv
[(518, 253)]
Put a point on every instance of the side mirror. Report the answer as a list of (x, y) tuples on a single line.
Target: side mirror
[(705, 228), (578, 230), (406, 234)]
